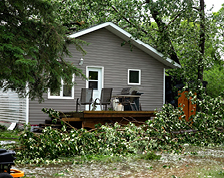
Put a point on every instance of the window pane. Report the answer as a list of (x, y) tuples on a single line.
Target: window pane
[(67, 90), (93, 75), (134, 77), (55, 93), (93, 84)]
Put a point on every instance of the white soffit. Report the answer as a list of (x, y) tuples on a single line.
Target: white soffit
[(127, 36)]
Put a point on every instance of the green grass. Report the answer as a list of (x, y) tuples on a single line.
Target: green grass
[(200, 165), (8, 134), (97, 158)]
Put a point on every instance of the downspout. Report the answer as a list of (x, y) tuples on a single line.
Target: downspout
[(27, 104), (27, 109), (164, 85)]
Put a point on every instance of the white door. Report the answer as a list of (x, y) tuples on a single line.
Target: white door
[(95, 81)]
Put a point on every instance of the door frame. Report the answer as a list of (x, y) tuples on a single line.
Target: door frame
[(102, 74)]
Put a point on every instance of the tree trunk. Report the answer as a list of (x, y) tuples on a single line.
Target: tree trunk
[(162, 29), (202, 40)]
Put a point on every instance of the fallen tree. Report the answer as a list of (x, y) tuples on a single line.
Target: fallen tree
[(165, 133)]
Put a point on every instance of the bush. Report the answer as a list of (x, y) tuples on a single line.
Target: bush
[(3, 128)]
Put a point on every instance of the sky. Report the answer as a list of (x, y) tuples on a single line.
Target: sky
[(217, 4)]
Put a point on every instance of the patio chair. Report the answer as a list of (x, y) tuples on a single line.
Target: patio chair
[(86, 98), (105, 98)]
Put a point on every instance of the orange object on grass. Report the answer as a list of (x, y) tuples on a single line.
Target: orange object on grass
[(16, 173)]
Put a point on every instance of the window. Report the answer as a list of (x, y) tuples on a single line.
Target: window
[(93, 80), (134, 77), (66, 92)]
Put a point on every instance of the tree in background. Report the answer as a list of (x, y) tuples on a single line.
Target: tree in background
[(181, 30), (215, 78), (33, 37), (215, 71), (33, 45)]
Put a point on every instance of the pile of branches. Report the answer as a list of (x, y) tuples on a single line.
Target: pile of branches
[(103, 140), (167, 132)]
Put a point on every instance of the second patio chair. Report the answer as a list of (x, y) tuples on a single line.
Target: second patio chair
[(86, 98), (105, 98)]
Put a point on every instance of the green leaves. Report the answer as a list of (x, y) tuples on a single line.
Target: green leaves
[(215, 77), (173, 27), (106, 140), (37, 30), (32, 47), (203, 128), (165, 133)]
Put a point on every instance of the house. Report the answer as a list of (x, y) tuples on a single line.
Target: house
[(110, 65), (13, 108)]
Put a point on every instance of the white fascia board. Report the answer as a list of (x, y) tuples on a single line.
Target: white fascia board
[(127, 36), (89, 30)]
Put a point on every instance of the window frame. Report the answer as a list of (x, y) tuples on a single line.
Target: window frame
[(61, 91), (139, 77)]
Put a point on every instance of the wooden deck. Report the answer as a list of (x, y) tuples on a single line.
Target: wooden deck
[(89, 119)]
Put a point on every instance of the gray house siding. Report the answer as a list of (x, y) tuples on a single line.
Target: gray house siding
[(12, 108), (105, 50), (36, 116)]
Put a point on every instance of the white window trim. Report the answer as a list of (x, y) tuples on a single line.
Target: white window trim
[(61, 92), (139, 76)]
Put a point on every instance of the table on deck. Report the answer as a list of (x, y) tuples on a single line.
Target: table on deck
[(126, 98)]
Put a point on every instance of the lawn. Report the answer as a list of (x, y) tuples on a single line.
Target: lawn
[(193, 162)]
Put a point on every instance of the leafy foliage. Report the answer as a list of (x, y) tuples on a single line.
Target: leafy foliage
[(32, 48), (215, 77), (181, 30), (168, 131), (33, 40), (150, 156), (205, 128), (2, 128), (104, 140)]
